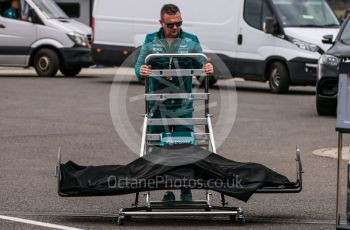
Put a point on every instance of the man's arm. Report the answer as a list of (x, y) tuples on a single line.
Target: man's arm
[(198, 63), (201, 62), (141, 59)]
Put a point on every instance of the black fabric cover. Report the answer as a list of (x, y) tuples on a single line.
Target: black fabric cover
[(165, 168)]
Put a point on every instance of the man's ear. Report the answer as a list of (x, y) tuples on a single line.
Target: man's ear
[(160, 21)]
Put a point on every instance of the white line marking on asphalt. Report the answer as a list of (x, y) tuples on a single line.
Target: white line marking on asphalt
[(37, 223), (332, 153)]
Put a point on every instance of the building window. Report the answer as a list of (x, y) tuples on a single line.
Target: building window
[(71, 9)]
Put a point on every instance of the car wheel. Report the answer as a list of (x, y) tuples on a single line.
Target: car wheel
[(325, 108), (70, 71), (46, 62), (278, 78)]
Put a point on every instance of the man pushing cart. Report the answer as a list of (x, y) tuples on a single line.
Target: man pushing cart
[(170, 147), (171, 39)]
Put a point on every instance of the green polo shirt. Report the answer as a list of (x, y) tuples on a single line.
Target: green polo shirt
[(157, 43), (11, 13)]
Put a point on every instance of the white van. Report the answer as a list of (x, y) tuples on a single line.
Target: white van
[(279, 41), (44, 37)]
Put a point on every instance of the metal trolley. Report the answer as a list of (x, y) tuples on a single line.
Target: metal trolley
[(205, 206), (186, 208)]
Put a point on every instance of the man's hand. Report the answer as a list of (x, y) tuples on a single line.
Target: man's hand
[(145, 70), (208, 69)]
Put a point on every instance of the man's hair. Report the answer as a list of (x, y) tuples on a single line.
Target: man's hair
[(170, 9)]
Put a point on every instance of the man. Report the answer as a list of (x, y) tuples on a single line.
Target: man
[(12, 12), (171, 39)]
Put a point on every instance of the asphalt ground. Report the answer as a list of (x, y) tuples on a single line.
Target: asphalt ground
[(39, 115)]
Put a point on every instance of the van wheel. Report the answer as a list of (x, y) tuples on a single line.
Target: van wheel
[(71, 72), (46, 63), (278, 78)]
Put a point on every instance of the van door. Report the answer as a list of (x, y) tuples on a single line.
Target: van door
[(254, 45), (16, 36)]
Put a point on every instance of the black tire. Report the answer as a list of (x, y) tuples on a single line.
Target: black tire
[(278, 77), (46, 62), (241, 220), (121, 220), (71, 72), (325, 108), (212, 81)]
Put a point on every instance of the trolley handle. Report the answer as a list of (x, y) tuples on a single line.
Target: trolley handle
[(176, 72), (179, 73), (174, 55)]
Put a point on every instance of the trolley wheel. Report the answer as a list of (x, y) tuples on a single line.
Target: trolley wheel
[(240, 219), (122, 220)]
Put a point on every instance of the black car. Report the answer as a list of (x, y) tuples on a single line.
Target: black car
[(328, 70)]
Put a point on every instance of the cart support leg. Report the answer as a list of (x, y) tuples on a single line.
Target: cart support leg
[(340, 149), (136, 203), (223, 200)]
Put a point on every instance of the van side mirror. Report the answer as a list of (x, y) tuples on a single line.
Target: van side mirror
[(269, 25), (328, 39), (32, 16)]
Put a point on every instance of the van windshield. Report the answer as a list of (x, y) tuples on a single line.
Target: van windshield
[(305, 13), (345, 36), (50, 9)]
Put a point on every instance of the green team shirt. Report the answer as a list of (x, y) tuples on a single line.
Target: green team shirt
[(10, 13), (184, 43)]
